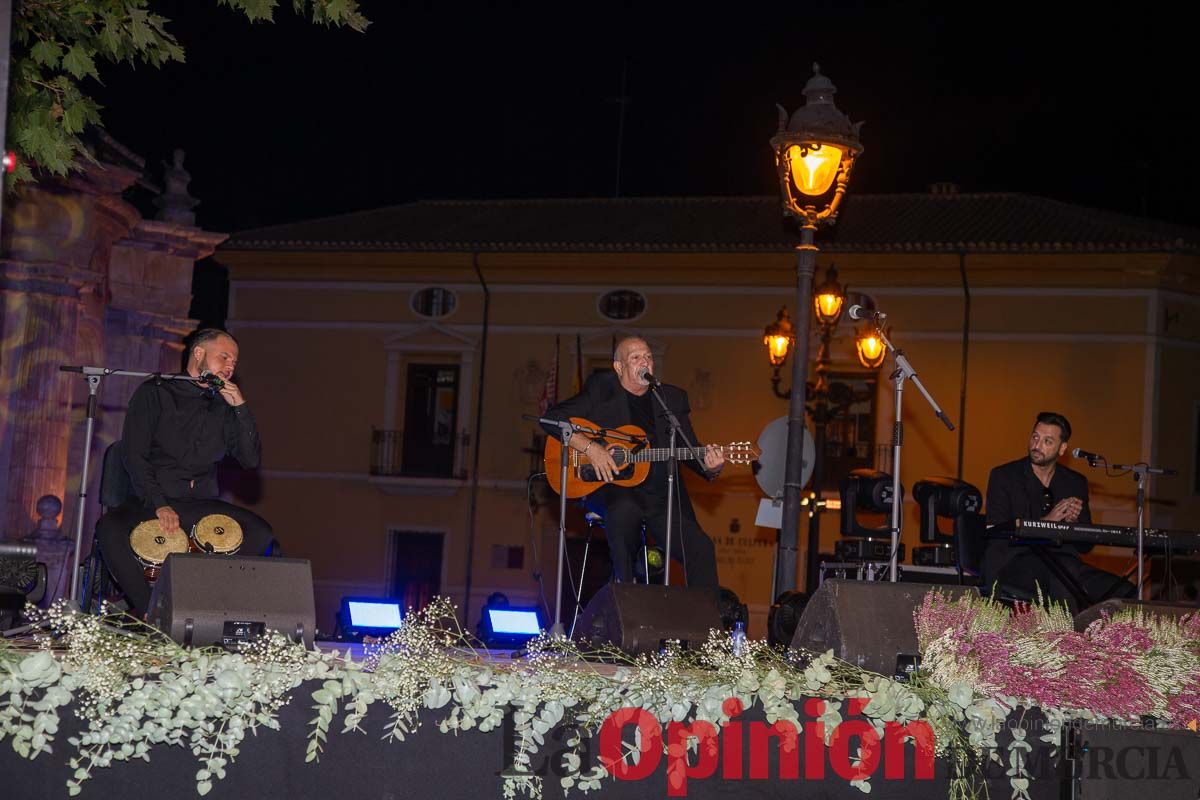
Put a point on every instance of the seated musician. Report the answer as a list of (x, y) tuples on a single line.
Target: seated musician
[(175, 433), (1037, 487), (623, 397)]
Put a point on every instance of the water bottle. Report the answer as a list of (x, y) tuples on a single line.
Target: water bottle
[(738, 637)]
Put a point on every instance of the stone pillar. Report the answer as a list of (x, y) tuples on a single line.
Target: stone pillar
[(52, 257), (84, 280), (55, 549)]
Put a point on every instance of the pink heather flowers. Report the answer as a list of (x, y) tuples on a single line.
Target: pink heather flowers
[(1125, 666)]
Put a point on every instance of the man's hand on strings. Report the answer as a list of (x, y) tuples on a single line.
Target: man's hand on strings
[(601, 460)]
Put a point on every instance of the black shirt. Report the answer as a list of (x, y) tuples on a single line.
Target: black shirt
[(1015, 492), (176, 432), (641, 414)]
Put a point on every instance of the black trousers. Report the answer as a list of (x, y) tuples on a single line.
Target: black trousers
[(1028, 570), (114, 528), (625, 509)]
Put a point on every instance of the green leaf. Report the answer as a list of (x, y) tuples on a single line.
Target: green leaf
[(79, 63), (47, 53)]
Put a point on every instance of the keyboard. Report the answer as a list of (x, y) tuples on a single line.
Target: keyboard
[(1033, 531)]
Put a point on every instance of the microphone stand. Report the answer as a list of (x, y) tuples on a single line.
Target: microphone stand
[(904, 371), (672, 471), (566, 430), (1140, 471), (93, 376)]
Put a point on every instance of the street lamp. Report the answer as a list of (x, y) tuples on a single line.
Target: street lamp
[(871, 349), (814, 153), (825, 402), (778, 338)]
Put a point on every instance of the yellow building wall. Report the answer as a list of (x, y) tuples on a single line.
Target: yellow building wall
[(315, 362)]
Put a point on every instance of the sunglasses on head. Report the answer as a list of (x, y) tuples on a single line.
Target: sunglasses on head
[(1047, 500)]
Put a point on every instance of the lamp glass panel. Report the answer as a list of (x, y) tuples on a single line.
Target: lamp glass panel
[(828, 306), (814, 167), (871, 350), (777, 347)]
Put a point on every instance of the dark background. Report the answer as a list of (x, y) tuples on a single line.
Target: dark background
[(288, 120)]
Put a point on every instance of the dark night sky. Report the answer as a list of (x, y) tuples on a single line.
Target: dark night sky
[(471, 100)]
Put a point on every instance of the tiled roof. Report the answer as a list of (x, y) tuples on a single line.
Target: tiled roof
[(879, 222)]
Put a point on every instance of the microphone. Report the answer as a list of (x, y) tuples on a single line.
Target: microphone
[(212, 380), (648, 378), (1079, 453), (858, 312)]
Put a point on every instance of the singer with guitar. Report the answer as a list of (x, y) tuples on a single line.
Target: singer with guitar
[(175, 433), (620, 398)]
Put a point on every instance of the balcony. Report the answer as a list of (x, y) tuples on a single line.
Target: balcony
[(398, 467)]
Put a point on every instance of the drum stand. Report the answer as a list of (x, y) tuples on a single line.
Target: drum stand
[(93, 376)]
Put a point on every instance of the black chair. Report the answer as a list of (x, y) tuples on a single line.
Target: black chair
[(115, 489)]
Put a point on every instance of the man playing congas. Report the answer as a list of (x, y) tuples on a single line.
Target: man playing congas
[(175, 433)]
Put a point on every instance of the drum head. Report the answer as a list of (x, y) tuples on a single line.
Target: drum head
[(152, 546), (218, 532)]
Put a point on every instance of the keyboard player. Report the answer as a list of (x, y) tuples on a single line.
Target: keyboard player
[(1038, 487)]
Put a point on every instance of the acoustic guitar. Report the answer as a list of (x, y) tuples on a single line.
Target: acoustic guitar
[(633, 458)]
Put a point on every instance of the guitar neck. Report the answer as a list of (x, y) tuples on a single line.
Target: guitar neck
[(664, 454)]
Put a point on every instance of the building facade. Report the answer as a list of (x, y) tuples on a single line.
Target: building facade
[(392, 358)]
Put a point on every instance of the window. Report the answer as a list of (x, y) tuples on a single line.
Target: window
[(850, 435), (434, 302), (622, 305), (430, 415)]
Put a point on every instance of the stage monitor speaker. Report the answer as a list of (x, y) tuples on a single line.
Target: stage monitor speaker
[(1114, 762), (202, 599), (1153, 608), (868, 623), (640, 618)]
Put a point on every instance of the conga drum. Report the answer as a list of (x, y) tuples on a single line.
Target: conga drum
[(151, 546), (217, 533)]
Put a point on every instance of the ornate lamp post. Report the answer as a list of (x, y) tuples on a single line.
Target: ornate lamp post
[(826, 403), (814, 153)]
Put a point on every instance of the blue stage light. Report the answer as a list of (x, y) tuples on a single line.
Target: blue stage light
[(514, 621), (370, 616)]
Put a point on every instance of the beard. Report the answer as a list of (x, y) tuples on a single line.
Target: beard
[(1041, 460)]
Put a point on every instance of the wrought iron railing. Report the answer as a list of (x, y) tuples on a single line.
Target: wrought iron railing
[(386, 450)]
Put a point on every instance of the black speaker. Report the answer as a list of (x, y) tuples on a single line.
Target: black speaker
[(639, 619), (867, 623), (202, 599), (1114, 762), (1152, 608)]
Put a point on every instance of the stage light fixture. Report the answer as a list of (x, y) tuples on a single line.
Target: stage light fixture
[(369, 616), (510, 627), (871, 491), (951, 498)]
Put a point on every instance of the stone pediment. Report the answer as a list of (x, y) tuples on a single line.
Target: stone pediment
[(601, 344), (430, 336)]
